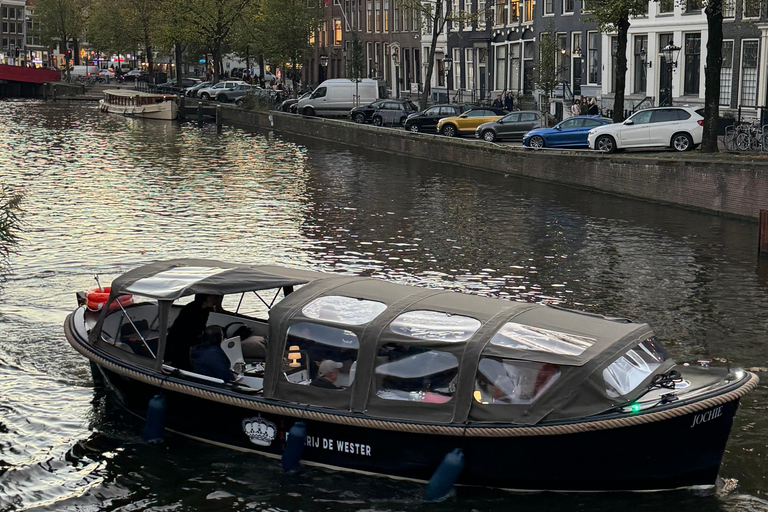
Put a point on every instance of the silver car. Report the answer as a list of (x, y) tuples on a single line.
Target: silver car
[(511, 126)]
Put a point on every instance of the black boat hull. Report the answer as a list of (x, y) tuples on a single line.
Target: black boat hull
[(680, 451)]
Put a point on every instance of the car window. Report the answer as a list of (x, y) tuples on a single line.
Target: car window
[(683, 114), (511, 118), (642, 117), (665, 115), (376, 104), (412, 106), (475, 113), (570, 124), (448, 111), (592, 122), (434, 111), (529, 117), (319, 92)]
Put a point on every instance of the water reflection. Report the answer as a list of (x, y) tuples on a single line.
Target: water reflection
[(104, 194)]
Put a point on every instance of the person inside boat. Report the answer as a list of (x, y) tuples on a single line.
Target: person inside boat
[(327, 373), (187, 330), (208, 358)]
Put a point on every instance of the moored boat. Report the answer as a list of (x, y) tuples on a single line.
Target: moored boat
[(388, 379), (140, 104)]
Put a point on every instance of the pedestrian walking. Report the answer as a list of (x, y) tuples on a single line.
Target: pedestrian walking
[(509, 102), (593, 110), (576, 108)]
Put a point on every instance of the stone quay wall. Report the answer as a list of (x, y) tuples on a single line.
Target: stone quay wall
[(725, 185)]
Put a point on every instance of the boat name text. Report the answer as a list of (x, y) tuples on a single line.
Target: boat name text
[(338, 446), (707, 416)]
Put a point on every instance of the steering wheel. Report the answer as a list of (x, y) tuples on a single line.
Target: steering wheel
[(237, 324)]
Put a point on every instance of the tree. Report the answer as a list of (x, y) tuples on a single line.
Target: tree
[(61, 21), (356, 60), (434, 15), (714, 12), (549, 71), (614, 16), (286, 27)]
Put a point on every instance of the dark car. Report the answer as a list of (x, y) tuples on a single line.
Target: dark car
[(364, 113), (138, 75), (287, 104), (393, 112), (426, 120), (511, 126), (571, 133)]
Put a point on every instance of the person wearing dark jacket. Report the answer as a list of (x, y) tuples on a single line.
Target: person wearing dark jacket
[(593, 110), (327, 374), (509, 102), (208, 358), (497, 102), (187, 329)]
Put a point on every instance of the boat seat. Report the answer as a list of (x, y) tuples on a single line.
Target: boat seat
[(234, 351), (254, 348)]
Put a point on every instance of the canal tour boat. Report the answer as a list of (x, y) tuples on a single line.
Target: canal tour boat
[(140, 104), (365, 375)]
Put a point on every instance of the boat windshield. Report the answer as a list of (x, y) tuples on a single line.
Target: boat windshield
[(630, 370), (344, 310), (435, 325), (525, 337)]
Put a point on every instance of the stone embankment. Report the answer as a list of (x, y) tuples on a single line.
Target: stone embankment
[(731, 185)]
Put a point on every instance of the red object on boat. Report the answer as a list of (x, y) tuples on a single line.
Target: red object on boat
[(96, 298), (28, 75)]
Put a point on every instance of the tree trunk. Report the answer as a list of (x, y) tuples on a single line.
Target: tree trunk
[(714, 12), (261, 68), (178, 63), (621, 70), (437, 27), (216, 55), (76, 51), (293, 79)]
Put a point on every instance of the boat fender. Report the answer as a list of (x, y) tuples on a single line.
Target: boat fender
[(294, 447), (445, 476), (153, 429)]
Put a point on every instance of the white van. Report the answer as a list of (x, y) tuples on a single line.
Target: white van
[(337, 96)]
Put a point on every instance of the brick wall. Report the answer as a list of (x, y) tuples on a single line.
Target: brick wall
[(722, 184)]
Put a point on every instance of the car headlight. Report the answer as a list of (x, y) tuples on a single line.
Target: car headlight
[(591, 132)]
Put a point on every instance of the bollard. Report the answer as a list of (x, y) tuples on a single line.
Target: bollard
[(218, 118), (45, 91), (762, 243), (200, 113), (54, 93), (182, 108)]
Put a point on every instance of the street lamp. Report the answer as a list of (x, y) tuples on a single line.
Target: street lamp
[(670, 53), (324, 66), (448, 64)]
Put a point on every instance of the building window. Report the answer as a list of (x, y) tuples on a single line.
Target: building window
[(692, 64), (726, 74), (377, 21), (337, 32), (593, 64), (481, 14), (614, 46), (749, 73), (568, 5), (693, 5), (457, 69), (514, 11), (666, 6), (751, 9), (501, 12), (369, 15), (529, 10), (641, 56), (469, 72), (729, 8), (386, 15), (549, 7), (584, 6), (455, 8), (561, 57), (501, 70)]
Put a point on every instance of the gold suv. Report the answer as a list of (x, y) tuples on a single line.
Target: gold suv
[(466, 123)]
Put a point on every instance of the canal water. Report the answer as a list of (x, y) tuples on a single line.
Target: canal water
[(104, 194)]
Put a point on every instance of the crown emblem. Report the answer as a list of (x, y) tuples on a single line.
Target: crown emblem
[(259, 431)]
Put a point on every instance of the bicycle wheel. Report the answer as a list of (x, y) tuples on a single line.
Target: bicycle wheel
[(729, 140), (742, 141)]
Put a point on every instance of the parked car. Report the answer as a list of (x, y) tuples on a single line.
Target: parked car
[(511, 126), (209, 92), (171, 86), (192, 91), (137, 75), (364, 113), (235, 93), (569, 133), (106, 72), (287, 104), (426, 120), (393, 112), (467, 123), (679, 128), (337, 96)]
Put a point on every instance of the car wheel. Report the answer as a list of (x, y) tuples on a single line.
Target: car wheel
[(221, 98), (239, 102), (308, 111), (605, 143), (205, 96), (414, 128), (359, 118), (377, 121), (489, 136), (682, 142), (402, 122), (536, 142), (449, 130)]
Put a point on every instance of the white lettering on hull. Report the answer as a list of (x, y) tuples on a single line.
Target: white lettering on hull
[(704, 417)]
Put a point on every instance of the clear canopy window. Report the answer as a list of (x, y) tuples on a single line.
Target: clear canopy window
[(416, 374), (344, 310), (630, 370), (435, 326), (525, 337), (321, 356), (510, 381)]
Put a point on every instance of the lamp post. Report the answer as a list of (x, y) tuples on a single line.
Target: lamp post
[(670, 53), (324, 66), (396, 63), (448, 64)]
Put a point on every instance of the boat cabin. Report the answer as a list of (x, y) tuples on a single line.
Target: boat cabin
[(379, 349)]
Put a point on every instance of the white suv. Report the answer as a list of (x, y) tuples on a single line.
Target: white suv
[(207, 93), (679, 128)]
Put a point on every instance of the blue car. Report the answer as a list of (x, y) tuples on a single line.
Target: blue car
[(569, 133)]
